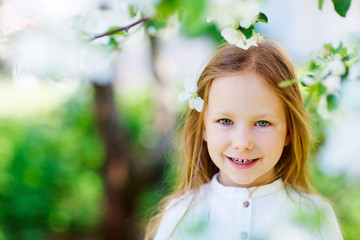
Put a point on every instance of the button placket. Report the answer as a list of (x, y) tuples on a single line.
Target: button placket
[(246, 219)]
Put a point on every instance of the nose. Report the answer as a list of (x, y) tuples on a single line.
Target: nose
[(242, 139)]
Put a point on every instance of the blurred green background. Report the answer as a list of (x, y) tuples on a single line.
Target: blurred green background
[(57, 177)]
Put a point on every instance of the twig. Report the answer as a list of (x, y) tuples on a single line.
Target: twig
[(126, 28)]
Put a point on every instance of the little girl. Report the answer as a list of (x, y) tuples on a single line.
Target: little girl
[(245, 155)]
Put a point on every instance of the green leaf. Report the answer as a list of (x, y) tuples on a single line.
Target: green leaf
[(261, 17), (133, 11), (156, 24), (117, 33), (351, 61), (321, 89), (321, 4), (312, 65), (287, 83), (342, 52), (332, 102), (342, 6), (183, 14), (247, 32), (113, 43), (329, 47), (308, 100)]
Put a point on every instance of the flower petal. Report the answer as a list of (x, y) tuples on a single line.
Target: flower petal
[(322, 108), (241, 44), (230, 35), (338, 67), (332, 84), (190, 85), (183, 96), (192, 103), (246, 22), (199, 104)]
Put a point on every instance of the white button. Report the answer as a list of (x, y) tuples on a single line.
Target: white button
[(244, 235)]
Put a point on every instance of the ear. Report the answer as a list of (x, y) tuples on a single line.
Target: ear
[(204, 136), (287, 139)]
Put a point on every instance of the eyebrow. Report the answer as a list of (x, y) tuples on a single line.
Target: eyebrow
[(266, 114), (260, 115), (221, 113)]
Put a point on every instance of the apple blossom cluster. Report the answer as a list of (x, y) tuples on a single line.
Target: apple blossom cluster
[(333, 79), (327, 71), (236, 19), (64, 29), (343, 136)]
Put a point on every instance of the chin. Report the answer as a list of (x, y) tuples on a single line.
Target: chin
[(243, 182)]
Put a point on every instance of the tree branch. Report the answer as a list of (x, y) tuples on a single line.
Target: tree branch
[(126, 28)]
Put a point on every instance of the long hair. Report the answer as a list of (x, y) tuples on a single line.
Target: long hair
[(270, 62)]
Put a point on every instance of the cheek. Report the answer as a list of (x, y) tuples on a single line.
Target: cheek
[(212, 138), (272, 143)]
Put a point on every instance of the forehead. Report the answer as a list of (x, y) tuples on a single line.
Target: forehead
[(245, 93)]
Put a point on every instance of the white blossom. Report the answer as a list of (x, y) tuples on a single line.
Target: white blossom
[(171, 30), (322, 109), (335, 67), (340, 152), (56, 44), (227, 12), (332, 84), (248, 19), (190, 93), (236, 37)]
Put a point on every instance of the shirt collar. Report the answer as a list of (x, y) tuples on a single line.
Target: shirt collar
[(243, 193)]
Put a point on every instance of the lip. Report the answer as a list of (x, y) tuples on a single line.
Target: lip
[(242, 165)]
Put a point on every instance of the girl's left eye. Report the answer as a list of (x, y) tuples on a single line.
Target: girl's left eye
[(262, 123)]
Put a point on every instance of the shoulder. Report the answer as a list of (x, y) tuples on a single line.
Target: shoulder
[(315, 212), (308, 200), (191, 198), (178, 208)]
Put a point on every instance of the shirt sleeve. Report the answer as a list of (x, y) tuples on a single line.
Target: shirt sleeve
[(331, 229), (317, 217), (172, 216)]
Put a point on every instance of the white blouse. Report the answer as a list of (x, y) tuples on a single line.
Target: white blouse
[(272, 212)]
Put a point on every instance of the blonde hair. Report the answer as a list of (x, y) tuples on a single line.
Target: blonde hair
[(270, 62)]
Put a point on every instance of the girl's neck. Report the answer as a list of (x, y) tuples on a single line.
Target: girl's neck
[(267, 178)]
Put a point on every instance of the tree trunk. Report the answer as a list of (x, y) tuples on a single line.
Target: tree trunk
[(117, 212), (124, 180)]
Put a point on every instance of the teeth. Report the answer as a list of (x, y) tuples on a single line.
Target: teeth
[(243, 161)]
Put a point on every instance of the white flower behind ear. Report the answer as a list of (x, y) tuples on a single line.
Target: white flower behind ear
[(190, 93), (236, 37)]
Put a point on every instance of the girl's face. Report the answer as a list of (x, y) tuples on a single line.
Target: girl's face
[(245, 129)]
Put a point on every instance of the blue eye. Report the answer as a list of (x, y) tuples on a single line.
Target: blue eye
[(225, 121), (262, 123)]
